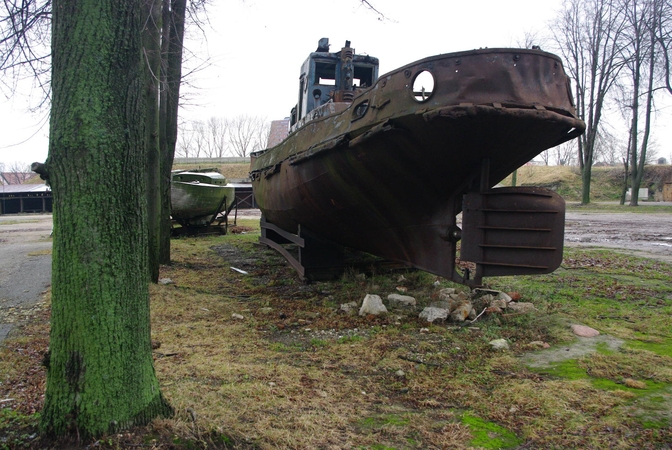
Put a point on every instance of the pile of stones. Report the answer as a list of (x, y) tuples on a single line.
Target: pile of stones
[(449, 305)]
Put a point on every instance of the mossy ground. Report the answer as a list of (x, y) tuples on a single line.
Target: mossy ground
[(296, 372)]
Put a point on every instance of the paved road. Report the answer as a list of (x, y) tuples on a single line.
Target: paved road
[(25, 265)]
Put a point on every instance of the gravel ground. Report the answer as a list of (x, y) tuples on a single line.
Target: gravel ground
[(646, 235), (25, 266)]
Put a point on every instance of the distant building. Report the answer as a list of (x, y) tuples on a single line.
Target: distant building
[(279, 131), (25, 198)]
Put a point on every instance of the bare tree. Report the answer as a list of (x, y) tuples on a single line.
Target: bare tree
[(545, 156), (588, 34), (663, 36), (184, 142), (564, 154), (25, 43), (643, 52), (219, 136), (532, 39), (200, 137), (609, 150), (16, 172), (245, 135), (218, 129)]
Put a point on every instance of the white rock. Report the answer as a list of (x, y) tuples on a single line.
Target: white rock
[(165, 281), (372, 304), (521, 307), (400, 373), (504, 296), (461, 312), (584, 331), (445, 293), (400, 301), (443, 304), (431, 313), (498, 303), (237, 316), (348, 307), (499, 344)]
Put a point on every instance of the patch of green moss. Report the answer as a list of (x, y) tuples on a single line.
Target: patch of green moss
[(568, 369), (489, 434), (17, 430), (660, 348)]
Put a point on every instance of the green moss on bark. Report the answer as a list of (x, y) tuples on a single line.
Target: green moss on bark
[(100, 376)]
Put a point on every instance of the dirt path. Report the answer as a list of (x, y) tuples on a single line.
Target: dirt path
[(645, 235), (25, 266)]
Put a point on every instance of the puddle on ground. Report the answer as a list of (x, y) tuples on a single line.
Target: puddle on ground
[(574, 350)]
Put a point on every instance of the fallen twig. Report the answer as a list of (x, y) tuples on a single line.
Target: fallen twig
[(406, 358), (482, 312), (165, 355)]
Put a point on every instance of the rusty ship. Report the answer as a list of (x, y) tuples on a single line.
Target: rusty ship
[(389, 165)]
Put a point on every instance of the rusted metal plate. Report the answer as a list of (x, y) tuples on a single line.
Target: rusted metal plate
[(513, 231)]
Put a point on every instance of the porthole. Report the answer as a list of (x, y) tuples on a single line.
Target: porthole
[(423, 86), (359, 110)]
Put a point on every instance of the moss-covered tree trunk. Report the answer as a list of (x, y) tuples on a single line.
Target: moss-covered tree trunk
[(100, 374)]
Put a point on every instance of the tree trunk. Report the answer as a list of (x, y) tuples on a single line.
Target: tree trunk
[(172, 47), (586, 175), (152, 52), (639, 175), (100, 374)]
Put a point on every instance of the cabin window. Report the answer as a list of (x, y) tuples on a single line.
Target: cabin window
[(325, 73), (363, 77), (423, 86)]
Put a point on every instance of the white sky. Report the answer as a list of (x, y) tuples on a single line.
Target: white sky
[(256, 48)]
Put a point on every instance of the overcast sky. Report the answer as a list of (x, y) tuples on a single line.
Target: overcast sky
[(255, 49)]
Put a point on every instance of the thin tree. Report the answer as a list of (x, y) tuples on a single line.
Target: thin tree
[(24, 43), (663, 34), (100, 375), (172, 48), (587, 35), (17, 173), (151, 33), (218, 128), (639, 56), (247, 134)]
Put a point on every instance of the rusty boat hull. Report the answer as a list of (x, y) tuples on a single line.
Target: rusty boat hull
[(389, 172)]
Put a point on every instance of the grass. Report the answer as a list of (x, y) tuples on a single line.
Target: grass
[(17, 222), (296, 372), (606, 182), (642, 208)]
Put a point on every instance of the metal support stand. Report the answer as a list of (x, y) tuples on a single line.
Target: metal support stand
[(318, 258)]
